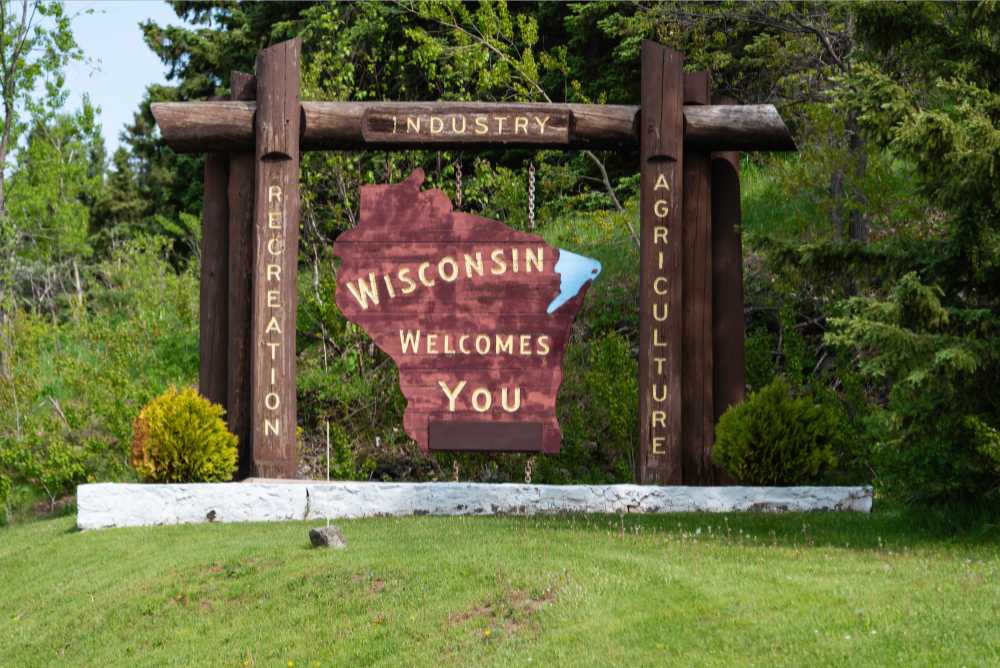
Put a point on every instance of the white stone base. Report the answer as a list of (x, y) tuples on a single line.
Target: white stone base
[(107, 505)]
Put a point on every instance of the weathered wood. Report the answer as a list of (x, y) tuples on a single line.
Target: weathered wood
[(660, 279), (476, 316), (727, 281), (518, 124), (241, 203), (213, 308), (195, 127), (485, 436), (698, 409), (275, 261)]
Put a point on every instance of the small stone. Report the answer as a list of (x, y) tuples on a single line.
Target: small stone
[(329, 536)]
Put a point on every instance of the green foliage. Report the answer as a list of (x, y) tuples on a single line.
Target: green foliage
[(940, 366), (181, 437), (6, 487), (776, 438), (44, 462), (598, 404), (77, 384)]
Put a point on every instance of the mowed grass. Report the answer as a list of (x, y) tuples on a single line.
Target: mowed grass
[(689, 590)]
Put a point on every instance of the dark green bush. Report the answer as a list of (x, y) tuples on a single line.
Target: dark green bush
[(181, 437), (776, 438)]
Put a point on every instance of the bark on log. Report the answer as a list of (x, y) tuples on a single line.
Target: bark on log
[(241, 220), (213, 307), (196, 127), (696, 265)]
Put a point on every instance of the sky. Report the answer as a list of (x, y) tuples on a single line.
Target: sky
[(120, 65)]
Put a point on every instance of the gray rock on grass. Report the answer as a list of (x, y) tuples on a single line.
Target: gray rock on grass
[(329, 536)]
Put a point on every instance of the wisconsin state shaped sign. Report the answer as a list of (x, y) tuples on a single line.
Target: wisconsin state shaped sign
[(475, 314)]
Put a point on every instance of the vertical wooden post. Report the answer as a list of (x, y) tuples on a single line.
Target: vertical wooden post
[(212, 328), (241, 203), (661, 141), (727, 275), (698, 409), (275, 261)]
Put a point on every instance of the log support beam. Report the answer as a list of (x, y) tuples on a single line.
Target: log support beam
[(240, 230), (696, 396), (661, 240), (274, 291), (213, 310), (196, 127)]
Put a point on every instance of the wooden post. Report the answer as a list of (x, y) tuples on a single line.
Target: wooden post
[(212, 328), (727, 276), (275, 260), (661, 139), (698, 409), (241, 203)]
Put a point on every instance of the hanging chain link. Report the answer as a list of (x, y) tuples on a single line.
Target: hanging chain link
[(458, 185), (454, 470), (531, 194), (529, 464)]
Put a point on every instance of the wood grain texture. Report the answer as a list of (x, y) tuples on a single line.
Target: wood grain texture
[(241, 203), (660, 277), (727, 281), (441, 292), (275, 262), (196, 127), (213, 329), (698, 407)]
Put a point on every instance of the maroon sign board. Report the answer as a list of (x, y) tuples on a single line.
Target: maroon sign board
[(475, 314)]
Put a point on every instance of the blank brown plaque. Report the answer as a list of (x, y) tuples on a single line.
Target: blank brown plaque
[(485, 436)]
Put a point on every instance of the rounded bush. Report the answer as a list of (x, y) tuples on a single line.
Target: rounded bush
[(180, 437), (775, 438)]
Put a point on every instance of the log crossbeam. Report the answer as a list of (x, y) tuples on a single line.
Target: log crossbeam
[(198, 127)]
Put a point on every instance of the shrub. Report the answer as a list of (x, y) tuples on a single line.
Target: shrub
[(45, 462), (181, 437), (776, 438), (940, 444), (5, 489)]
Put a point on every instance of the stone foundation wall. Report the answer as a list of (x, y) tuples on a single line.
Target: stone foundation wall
[(107, 505)]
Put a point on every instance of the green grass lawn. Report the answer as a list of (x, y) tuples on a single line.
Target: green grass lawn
[(705, 590)]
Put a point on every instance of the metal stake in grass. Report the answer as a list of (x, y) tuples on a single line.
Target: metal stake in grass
[(329, 536)]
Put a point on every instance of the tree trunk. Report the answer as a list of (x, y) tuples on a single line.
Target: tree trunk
[(857, 229)]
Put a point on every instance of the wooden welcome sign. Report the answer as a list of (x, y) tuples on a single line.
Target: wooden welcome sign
[(475, 314)]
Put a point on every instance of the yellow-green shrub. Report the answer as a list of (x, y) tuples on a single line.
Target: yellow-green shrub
[(180, 436)]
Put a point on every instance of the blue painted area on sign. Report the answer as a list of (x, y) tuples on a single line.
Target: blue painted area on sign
[(574, 270)]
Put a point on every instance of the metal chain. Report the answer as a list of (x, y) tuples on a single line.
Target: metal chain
[(454, 470), (531, 194), (458, 185), (528, 466)]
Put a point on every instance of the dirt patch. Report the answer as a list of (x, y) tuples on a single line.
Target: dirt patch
[(512, 611)]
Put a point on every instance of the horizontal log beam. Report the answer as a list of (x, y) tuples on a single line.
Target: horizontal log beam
[(198, 127)]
